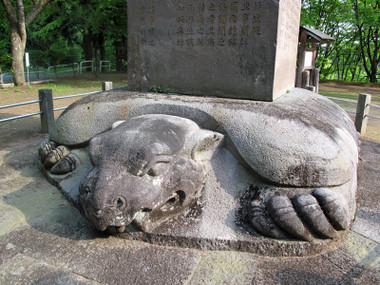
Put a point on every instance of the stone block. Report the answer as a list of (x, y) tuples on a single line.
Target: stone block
[(232, 49)]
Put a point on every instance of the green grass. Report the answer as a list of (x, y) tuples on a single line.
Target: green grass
[(75, 86), (367, 84), (70, 86), (348, 96)]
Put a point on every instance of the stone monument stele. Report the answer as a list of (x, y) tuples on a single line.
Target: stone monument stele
[(231, 49)]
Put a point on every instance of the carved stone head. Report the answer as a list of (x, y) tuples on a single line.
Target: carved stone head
[(148, 169)]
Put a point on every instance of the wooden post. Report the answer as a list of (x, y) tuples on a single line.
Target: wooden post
[(107, 85), (46, 107), (316, 79), (305, 78), (301, 60), (362, 112)]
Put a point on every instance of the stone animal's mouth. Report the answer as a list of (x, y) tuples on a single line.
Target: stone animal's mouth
[(103, 228), (119, 229), (112, 228), (115, 222)]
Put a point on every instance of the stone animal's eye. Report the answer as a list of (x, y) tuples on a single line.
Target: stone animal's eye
[(158, 169), (87, 191), (157, 165)]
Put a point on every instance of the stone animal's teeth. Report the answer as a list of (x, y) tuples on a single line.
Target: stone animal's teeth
[(101, 228), (121, 229)]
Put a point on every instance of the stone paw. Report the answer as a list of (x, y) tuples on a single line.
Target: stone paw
[(57, 159), (320, 214), (66, 165), (45, 148)]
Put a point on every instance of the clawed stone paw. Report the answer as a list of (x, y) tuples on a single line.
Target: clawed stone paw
[(56, 155), (45, 148), (263, 223), (65, 165), (319, 214), (57, 158)]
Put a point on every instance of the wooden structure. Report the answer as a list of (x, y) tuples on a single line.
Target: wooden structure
[(307, 74)]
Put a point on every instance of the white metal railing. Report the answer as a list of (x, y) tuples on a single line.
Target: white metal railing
[(74, 66), (86, 64), (105, 64)]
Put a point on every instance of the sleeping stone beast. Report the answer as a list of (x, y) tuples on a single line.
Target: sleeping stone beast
[(291, 165)]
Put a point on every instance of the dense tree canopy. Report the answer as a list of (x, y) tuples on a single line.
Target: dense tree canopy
[(354, 56)]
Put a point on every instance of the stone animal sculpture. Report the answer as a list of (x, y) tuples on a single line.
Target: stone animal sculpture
[(302, 147)]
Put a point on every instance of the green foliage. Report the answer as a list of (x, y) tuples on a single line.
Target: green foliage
[(61, 29), (354, 24), (159, 89), (5, 61), (56, 35), (5, 47)]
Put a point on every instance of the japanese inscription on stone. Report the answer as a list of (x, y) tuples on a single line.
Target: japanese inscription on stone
[(214, 48)]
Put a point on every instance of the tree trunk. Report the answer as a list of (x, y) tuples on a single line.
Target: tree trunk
[(119, 55), (102, 48), (87, 47), (18, 21), (18, 49)]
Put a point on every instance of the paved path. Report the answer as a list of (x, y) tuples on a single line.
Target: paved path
[(43, 240)]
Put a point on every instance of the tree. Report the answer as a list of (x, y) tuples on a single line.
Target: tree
[(367, 21), (5, 57), (329, 16), (20, 16), (355, 24)]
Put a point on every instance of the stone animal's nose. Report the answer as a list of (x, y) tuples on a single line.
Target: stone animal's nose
[(119, 203), (99, 214)]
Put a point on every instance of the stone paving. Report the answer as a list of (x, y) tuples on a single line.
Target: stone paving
[(44, 240)]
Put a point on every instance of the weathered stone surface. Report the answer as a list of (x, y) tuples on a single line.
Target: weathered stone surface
[(235, 49), (23, 269), (224, 268), (91, 260), (302, 139)]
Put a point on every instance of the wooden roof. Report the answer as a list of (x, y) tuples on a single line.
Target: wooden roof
[(316, 36)]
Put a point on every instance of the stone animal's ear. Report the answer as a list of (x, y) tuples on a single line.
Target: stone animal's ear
[(203, 144)]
